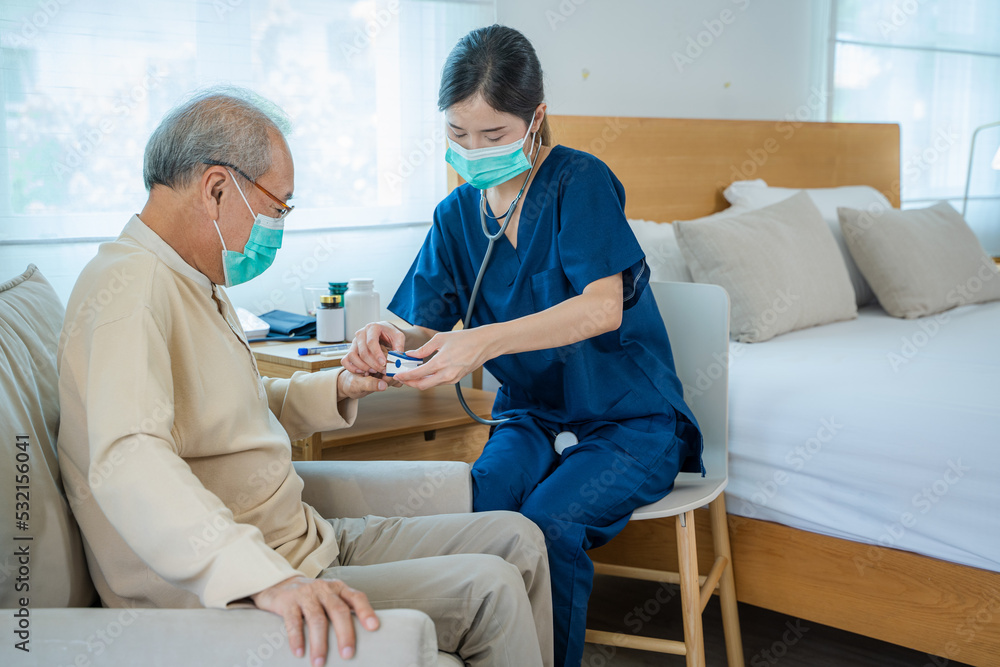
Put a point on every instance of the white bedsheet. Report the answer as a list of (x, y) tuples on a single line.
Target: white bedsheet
[(877, 430)]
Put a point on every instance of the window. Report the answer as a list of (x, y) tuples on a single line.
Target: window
[(933, 67), (84, 84)]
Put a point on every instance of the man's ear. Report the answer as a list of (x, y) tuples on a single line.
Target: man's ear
[(210, 186)]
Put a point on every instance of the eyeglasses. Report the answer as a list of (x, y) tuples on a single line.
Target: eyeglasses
[(285, 208)]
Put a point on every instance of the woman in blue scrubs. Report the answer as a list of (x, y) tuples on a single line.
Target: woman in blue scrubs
[(563, 319)]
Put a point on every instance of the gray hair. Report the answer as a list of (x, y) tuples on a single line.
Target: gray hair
[(226, 124)]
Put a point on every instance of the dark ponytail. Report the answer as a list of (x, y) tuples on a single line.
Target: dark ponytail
[(500, 64)]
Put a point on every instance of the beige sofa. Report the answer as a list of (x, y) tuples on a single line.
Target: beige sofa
[(50, 606)]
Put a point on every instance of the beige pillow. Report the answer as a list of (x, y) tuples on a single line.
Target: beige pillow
[(30, 321), (922, 261), (757, 194), (780, 265)]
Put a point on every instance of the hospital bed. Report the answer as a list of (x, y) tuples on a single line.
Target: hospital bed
[(887, 524)]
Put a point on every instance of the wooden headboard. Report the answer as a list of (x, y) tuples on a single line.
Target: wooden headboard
[(676, 169)]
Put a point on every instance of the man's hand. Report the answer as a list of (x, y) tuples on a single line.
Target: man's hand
[(350, 385), (367, 353), (317, 600)]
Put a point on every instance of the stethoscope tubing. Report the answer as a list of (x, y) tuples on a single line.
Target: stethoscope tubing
[(492, 238)]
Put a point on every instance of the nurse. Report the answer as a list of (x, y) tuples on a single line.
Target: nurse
[(563, 319)]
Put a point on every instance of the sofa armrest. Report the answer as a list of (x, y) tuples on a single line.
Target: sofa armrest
[(171, 637), (339, 489)]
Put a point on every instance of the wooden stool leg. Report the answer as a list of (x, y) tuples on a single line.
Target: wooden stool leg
[(687, 559), (727, 585)]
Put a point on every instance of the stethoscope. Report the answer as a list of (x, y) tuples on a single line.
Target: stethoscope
[(565, 438)]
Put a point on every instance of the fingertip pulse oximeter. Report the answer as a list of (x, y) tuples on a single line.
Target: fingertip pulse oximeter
[(398, 362)]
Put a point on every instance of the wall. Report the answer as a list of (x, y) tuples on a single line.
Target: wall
[(749, 59), (709, 59), (305, 258)]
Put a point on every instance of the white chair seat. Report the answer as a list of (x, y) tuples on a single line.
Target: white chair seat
[(691, 491)]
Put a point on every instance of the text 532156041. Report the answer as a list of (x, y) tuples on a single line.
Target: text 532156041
[(22, 542)]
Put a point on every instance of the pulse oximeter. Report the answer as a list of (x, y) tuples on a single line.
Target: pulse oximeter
[(398, 362)]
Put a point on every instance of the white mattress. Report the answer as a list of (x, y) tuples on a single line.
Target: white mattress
[(877, 430)]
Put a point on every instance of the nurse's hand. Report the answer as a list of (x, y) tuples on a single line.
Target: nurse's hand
[(456, 354), (367, 353)]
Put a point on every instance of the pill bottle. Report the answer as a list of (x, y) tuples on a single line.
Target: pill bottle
[(330, 319), (338, 289), (361, 305)]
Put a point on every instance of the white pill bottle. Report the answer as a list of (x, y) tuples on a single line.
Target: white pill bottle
[(361, 305)]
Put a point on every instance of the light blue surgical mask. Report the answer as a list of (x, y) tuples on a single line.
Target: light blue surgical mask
[(488, 167), (259, 251)]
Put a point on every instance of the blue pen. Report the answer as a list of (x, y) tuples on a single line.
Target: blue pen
[(319, 349)]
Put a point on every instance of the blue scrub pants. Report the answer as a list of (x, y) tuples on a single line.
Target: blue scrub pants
[(580, 499)]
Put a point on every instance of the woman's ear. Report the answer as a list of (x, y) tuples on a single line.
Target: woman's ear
[(536, 123), (210, 185)]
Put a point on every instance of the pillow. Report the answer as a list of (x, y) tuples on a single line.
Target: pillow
[(780, 265), (757, 194), (663, 256), (922, 261), (30, 321)]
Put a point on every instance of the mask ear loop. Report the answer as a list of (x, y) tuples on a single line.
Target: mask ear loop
[(225, 270), (505, 216)]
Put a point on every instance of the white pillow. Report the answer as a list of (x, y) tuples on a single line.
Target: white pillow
[(757, 194), (663, 255)]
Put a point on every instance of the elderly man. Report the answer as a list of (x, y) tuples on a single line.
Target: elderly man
[(165, 421)]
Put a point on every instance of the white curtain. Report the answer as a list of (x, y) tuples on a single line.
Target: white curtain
[(84, 83), (933, 66)]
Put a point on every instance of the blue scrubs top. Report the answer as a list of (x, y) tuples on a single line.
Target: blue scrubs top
[(571, 232)]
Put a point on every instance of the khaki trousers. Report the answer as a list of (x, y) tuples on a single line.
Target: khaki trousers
[(482, 578)]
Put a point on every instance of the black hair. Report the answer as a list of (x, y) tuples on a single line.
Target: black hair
[(500, 64)]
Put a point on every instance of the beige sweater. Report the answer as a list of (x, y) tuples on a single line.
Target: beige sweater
[(175, 453)]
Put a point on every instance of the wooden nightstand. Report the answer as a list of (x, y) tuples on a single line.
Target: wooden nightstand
[(398, 424)]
